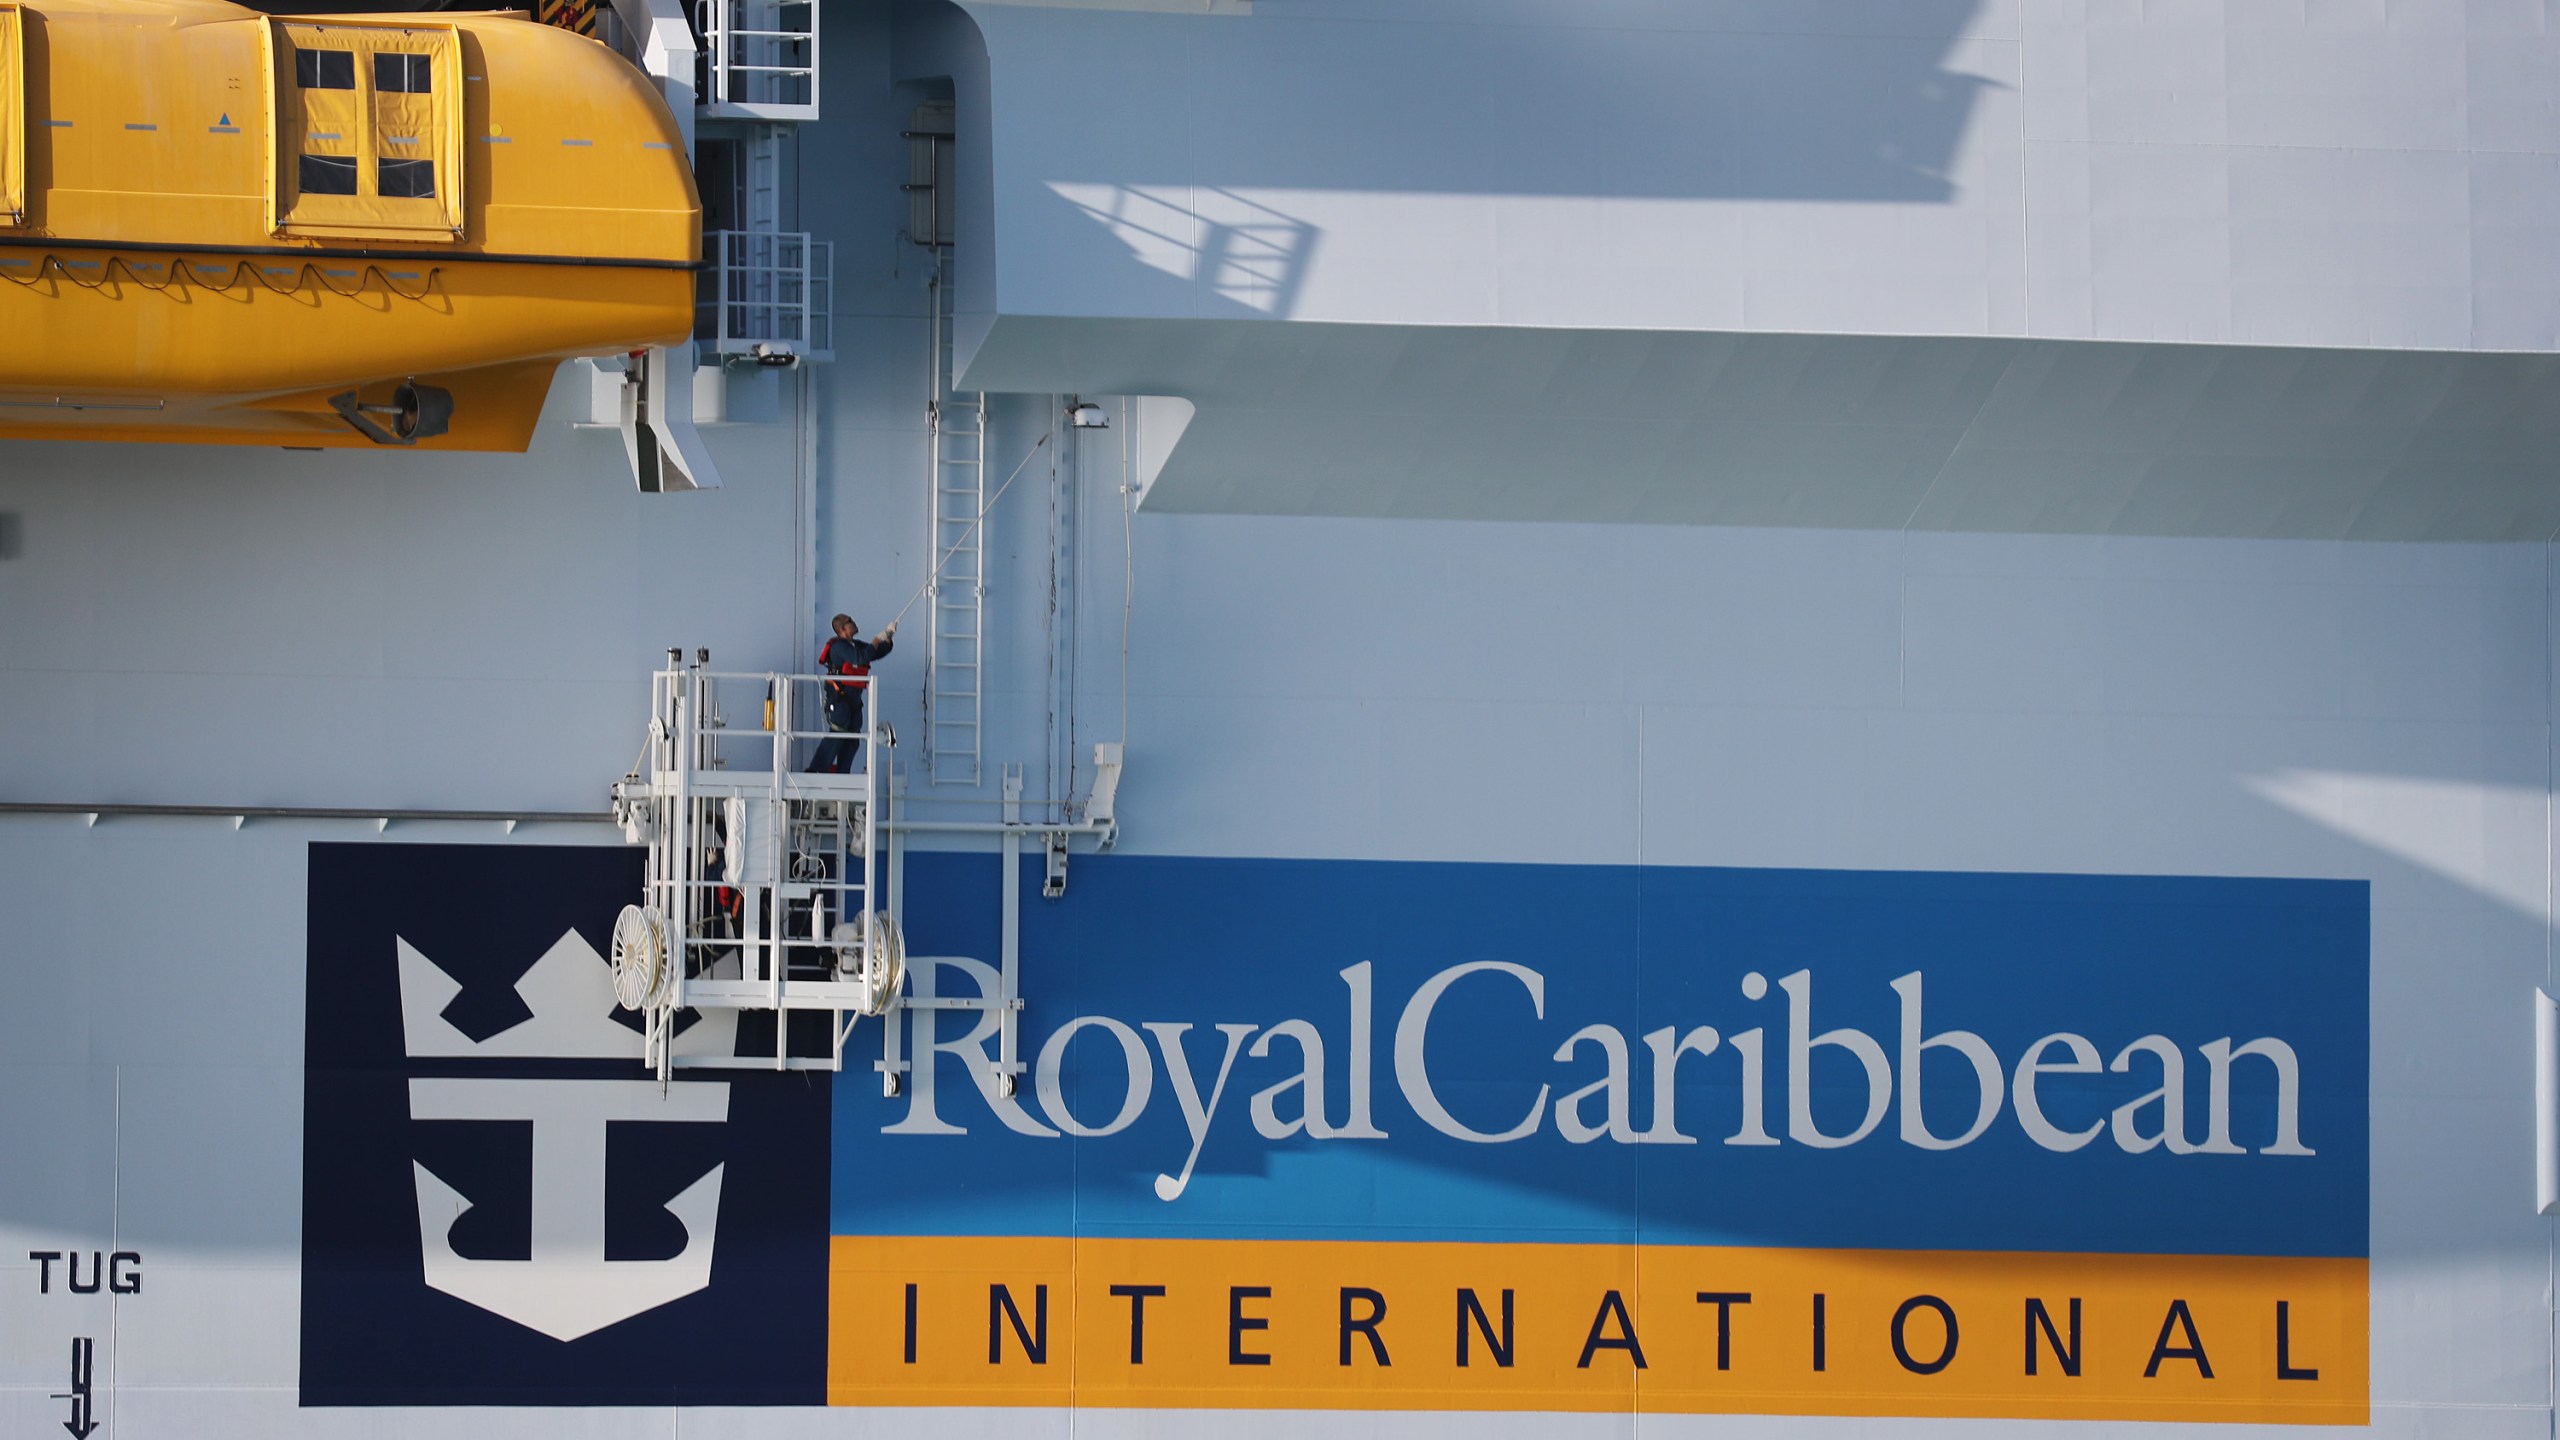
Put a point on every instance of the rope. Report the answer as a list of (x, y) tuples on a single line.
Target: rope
[(202, 276), (936, 572), (1128, 564)]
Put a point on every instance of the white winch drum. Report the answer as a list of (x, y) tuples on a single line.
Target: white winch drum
[(877, 975), (640, 970), (888, 964)]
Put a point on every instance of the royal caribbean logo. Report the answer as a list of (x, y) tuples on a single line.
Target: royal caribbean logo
[(500, 1205)]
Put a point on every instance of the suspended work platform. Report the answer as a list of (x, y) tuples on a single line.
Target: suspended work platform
[(772, 885), (763, 885)]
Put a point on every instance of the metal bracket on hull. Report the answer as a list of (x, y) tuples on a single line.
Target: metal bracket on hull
[(656, 412), (656, 418), (416, 412)]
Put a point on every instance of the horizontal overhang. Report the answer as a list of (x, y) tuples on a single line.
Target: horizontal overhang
[(1868, 432)]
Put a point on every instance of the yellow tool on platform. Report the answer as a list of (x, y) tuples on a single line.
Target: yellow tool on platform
[(376, 230)]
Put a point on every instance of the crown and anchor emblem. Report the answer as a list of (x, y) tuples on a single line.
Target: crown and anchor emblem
[(566, 1288)]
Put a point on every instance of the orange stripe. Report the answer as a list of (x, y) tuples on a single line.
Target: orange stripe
[(1192, 1358)]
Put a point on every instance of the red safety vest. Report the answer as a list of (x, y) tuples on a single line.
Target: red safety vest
[(861, 673)]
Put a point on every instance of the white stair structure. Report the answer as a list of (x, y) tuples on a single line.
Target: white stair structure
[(767, 293), (737, 74)]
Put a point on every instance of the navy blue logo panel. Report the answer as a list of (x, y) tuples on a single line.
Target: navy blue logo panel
[(500, 1205)]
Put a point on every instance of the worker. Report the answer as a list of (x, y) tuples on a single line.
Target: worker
[(848, 662)]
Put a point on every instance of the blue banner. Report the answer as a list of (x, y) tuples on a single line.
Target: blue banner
[(1265, 1049)]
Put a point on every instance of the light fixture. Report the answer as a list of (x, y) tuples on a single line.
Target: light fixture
[(1084, 416)]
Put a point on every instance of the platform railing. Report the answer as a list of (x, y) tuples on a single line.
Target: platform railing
[(760, 59), (769, 295)]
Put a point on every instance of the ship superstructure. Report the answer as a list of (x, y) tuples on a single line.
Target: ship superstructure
[(1601, 716)]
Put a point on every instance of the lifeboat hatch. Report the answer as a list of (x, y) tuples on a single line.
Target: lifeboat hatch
[(416, 412), (13, 119), (367, 132)]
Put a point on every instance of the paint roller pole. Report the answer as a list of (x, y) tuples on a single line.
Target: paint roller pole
[(2546, 1103)]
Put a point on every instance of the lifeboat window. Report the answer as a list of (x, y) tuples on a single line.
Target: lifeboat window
[(328, 174), (369, 135), (324, 69), (402, 75), (13, 124), (408, 179)]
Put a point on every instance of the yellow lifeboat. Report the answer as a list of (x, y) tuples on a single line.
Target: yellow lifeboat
[(221, 226)]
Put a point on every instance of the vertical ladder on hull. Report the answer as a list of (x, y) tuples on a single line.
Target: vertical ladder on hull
[(955, 658)]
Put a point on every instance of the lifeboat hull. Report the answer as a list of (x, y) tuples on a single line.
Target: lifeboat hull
[(136, 344)]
